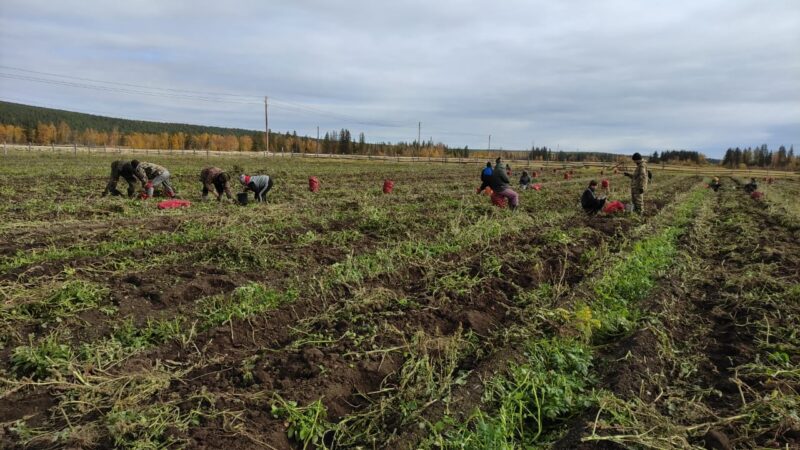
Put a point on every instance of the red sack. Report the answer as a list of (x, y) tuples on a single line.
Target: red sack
[(388, 185), (313, 184), (498, 200), (614, 207), (535, 175), (567, 176), (757, 195), (537, 187), (604, 184), (169, 204)]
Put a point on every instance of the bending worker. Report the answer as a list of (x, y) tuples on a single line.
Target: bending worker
[(121, 169), (259, 184), (152, 176), (215, 180)]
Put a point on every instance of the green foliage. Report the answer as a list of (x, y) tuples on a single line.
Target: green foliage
[(71, 297), (632, 279), (247, 300), (307, 424), (148, 427), (552, 384), (41, 360), (457, 283)]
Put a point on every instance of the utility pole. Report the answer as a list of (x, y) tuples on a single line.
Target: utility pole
[(419, 130), (317, 141), (266, 125)]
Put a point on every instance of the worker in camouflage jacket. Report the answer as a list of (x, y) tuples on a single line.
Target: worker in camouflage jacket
[(638, 183), (152, 176), (215, 180), (259, 184), (125, 170)]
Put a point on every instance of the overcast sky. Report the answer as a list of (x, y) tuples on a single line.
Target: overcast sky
[(608, 75)]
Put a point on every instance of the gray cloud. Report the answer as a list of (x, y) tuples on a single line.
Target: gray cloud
[(607, 76)]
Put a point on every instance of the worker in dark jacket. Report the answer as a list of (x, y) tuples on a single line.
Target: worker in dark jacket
[(524, 180), (486, 176), (215, 180), (715, 184), (125, 170), (500, 184), (751, 187), (590, 202), (259, 184)]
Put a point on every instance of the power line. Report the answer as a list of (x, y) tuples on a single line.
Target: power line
[(118, 90), (221, 94), (210, 97)]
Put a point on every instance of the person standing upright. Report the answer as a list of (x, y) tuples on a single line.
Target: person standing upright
[(638, 183)]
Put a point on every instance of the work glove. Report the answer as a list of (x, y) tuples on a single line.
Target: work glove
[(149, 185)]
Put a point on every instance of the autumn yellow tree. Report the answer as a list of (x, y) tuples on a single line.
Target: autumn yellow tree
[(177, 141), (245, 143), (63, 133), (45, 133)]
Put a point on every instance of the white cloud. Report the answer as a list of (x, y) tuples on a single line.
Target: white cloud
[(613, 75)]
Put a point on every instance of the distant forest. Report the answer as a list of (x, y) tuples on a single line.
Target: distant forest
[(761, 157), (22, 124)]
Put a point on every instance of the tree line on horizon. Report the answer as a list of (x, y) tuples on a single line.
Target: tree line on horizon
[(761, 156), (24, 124)]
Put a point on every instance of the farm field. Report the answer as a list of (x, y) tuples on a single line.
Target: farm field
[(426, 318)]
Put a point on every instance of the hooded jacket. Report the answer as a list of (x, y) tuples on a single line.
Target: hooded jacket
[(499, 181)]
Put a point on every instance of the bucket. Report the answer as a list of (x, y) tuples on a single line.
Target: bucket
[(242, 198), (498, 200), (604, 184), (388, 186), (313, 184)]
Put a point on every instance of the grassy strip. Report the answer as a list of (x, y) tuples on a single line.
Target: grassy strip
[(756, 295), (191, 232), (50, 358), (554, 382)]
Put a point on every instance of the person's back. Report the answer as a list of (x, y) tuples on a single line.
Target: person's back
[(500, 185), (122, 169), (259, 184), (499, 181), (486, 173), (151, 170)]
